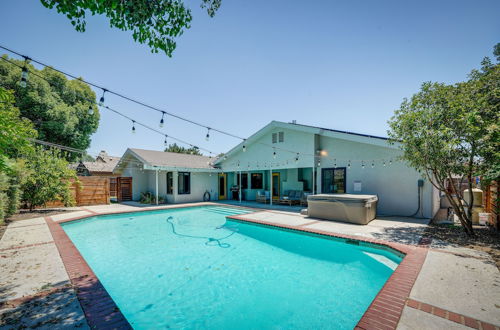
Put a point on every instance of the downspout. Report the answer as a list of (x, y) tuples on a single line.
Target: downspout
[(156, 186), (270, 187), (239, 188)]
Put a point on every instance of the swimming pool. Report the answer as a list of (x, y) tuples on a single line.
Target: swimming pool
[(190, 268)]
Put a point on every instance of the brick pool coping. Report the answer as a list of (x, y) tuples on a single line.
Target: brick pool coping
[(102, 312)]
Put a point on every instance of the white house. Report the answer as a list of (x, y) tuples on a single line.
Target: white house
[(288, 156)]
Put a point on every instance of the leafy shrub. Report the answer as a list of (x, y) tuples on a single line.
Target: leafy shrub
[(150, 198)]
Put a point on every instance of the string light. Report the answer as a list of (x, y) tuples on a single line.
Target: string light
[(161, 120), (91, 110), (165, 142), (244, 148), (362, 164), (297, 157), (373, 164), (390, 162), (323, 153), (349, 165), (274, 153), (335, 162), (133, 126), (384, 163), (24, 74), (319, 163), (208, 134), (101, 100)]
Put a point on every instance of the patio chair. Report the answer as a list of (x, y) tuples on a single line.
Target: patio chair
[(262, 197), (291, 197), (303, 199)]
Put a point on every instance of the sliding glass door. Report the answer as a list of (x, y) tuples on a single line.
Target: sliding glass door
[(333, 180)]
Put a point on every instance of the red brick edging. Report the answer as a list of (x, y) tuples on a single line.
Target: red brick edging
[(99, 308), (451, 316), (385, 310)]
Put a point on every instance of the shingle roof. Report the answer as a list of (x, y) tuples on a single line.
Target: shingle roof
[(108, 166), (339, 131), (172, 159)]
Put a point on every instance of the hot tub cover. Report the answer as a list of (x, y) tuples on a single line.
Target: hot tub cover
[(343, 198)]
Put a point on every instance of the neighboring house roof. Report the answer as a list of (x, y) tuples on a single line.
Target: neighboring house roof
[(103, 164), (110, 164), (344, 135), (166, 160)]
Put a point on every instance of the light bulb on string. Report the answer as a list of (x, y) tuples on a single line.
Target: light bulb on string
[(133, 126), (384, 163), (244, 148), (90, 111), (24, 74), (101, 100), (390, 162), (162, 121), (373, 164), (363, 164), (207, 137), (319, 163), (349, 165), (274, 153), (165, 142), (297, 158), (335, 162)]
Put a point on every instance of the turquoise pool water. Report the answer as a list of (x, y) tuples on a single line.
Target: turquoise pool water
[(190, 268)]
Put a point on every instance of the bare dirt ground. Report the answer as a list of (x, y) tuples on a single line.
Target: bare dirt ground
[(486, 239)]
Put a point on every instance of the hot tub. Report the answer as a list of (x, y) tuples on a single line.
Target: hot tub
[(358, 209)]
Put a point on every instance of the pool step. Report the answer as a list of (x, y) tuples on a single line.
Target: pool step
[(226, 211)]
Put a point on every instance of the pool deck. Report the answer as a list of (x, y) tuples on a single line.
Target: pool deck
[(45, 283)]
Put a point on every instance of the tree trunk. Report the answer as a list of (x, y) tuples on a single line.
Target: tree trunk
[(459, 211)]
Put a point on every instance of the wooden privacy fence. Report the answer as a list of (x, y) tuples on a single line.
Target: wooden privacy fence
[(491, 204), (91, 190)]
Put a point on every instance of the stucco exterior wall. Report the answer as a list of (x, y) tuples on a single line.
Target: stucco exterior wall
[(395, 184)]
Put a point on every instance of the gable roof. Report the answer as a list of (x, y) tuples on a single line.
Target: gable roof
[(167, 160), (344, 135), (107, 166), (102, 164)]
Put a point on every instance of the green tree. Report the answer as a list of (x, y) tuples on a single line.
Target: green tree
[(155, 23), (447, 131), (48, 179), (59, 110), (14, 131), (182, 150)]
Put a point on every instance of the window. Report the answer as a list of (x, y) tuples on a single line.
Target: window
[(333, 180), (256, 181), (184, 183), (170, 183), (281, 136), (244, 180), (275, 137)]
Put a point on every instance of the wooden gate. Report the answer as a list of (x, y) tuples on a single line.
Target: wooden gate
[(124, 188)]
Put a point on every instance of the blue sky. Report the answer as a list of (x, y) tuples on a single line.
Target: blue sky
[(338, 64)]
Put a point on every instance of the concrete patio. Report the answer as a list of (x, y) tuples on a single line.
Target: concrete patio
[(454, 282)]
